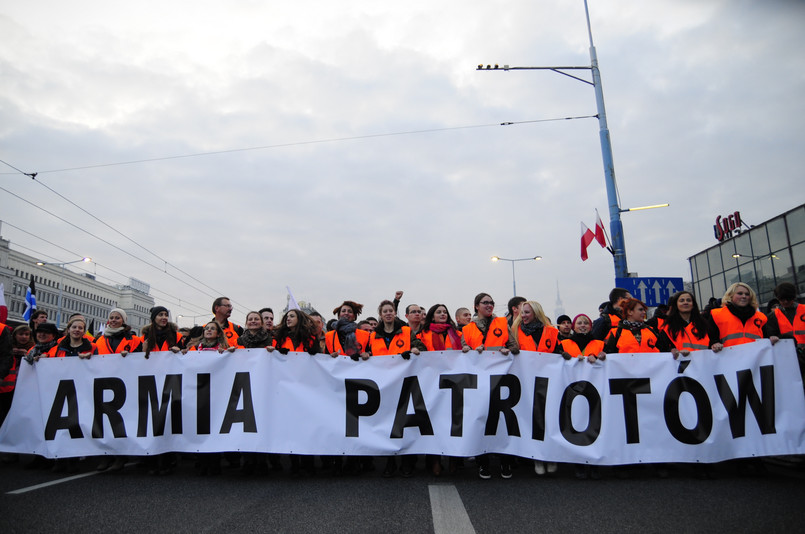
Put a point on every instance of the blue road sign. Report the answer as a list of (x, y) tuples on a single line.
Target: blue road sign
[(652, 291)]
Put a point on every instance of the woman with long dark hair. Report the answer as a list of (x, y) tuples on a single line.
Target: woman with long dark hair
[(296, 333), (439, 331), (160, 334), (685, 326)]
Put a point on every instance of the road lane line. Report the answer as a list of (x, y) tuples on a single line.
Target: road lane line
[(53, 483), (449, 514)]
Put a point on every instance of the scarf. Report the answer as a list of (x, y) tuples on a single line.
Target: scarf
[(345, 330), (109, 332), (635, 327), (438, 340), (582, 340), (251, 340), (39, 349), (531, 328), (744, 313)]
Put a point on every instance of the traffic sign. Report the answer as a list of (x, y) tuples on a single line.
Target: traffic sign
[(652, 291)]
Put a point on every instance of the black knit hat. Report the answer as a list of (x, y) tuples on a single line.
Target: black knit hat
[(563, 318), (156, 310), (49, 328)]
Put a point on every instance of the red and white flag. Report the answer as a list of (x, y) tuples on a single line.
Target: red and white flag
[(600, 235), (587, 237), (3, 307)]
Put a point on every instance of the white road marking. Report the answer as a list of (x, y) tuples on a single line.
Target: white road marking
[(53, 483), (449, 514)]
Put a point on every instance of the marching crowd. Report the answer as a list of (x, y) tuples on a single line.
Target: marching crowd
[(621, 327)]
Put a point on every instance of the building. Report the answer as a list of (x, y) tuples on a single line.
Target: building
[(80, 292), (761, 256)]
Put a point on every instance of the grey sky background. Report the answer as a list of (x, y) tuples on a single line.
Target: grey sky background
[(704, 102)]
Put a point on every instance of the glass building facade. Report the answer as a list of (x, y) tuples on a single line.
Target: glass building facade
[(761, 257)]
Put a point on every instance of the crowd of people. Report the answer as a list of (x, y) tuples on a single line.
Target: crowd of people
[(621, 327)]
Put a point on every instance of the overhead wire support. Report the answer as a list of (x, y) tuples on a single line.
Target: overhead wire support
[(613, 198)]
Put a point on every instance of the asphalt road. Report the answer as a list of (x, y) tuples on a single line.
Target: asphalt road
[(134, 501)]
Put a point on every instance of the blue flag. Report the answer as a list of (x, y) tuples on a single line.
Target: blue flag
[(30, 300)]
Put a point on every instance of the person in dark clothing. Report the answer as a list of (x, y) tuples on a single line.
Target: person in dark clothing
[(611, 315)]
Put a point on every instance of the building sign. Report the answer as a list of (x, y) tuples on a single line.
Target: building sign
[(728, 226)]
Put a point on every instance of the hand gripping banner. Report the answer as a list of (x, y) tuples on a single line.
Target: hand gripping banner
[(744, 401)]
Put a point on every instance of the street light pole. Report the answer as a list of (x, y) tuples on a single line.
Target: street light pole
[(615, 225), (514, 282), (61, 283)]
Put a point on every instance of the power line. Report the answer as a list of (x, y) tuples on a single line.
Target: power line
[(176, 300), (107, 242), (298, 143)]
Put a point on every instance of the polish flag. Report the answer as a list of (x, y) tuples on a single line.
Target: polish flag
[(600, 235), (587, 237), (3, 307)]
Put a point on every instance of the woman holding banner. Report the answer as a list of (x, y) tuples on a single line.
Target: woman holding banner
[(738, 321), (439, 332), (633, 334), (392, 336), (685, 326), (489, 332), (296, 333), (255, 335), (117, 337)]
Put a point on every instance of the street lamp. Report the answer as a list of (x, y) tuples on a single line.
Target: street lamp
[(514, 283), (615, 225), (61, 282)]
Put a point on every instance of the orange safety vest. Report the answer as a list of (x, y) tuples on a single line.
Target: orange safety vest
[(496, 336), (288, 344), (399, 343), (10, 380), (798, 328), (166, 346), (687, 340), (427, 339), (333, 344), (231, 333), (627, 342), (614, 320), (547, 343), (733, 331), (102, 342), (593, 348), (59, 352)]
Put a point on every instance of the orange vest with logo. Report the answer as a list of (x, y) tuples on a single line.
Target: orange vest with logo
[(593, 348), (231, 333), (547, 343), (288, 344), (333, 344), (399, 343), (59, 352), (687, 339), (733, 331), (798, 328), (427, 339), (129, 345), (496, 336), (627, 342)]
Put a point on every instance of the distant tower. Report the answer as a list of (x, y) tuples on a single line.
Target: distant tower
[(560, 308)]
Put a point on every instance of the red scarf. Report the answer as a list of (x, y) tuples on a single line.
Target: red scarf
[(438, 340)]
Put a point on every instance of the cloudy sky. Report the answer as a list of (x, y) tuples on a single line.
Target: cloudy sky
[(378, 162)]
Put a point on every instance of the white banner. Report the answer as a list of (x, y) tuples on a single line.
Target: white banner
[(745, 401)]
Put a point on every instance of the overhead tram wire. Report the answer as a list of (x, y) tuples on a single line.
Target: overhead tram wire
[(298, 143), (177, 300), (107, 242), (166, 262)]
